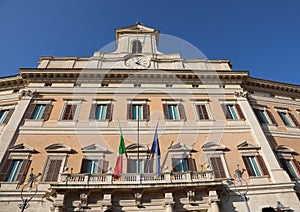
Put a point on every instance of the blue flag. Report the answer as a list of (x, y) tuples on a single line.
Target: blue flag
[(155, 149)]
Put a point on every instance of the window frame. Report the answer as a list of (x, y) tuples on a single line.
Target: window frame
[(266, 113), (10, 110), (215, 150), (234, 113), (72, 103), (287, 117), (145, 109), (179, 107), (108, 113), (200, 114), (136, 46)]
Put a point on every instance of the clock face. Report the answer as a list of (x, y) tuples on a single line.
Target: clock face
[(137, 62)]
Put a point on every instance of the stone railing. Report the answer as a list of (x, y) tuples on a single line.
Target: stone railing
[(136, 178)]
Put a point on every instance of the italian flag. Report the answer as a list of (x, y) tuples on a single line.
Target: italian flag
[(122, 150)]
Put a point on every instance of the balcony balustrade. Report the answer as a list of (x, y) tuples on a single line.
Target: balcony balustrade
[(136, 178)]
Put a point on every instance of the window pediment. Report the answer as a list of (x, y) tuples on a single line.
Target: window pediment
[(246, 145), (22, 148), (59, 148), (132, 148), (213, 146), (180, 147), (285, 149), (94, 148)]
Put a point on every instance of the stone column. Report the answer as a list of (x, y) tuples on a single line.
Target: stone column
[(12, 126), (213, 201), (169, 202)]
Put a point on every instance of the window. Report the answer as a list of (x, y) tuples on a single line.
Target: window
[(94, 166), (133, 166), (15, 170), (288, 119), (215, 154), (56, 160), (101, 111), (183, 164), (291, 166), (138, 110), (233, 111), (38, 111), (264, 116), (52, 170), (255, 165), (217, 167), (136, 46), (181, 158), (174, 111), (71, 109), (5, 115), (287, 161), (144, 164)]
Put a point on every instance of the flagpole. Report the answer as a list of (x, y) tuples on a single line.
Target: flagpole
[(138, 141)]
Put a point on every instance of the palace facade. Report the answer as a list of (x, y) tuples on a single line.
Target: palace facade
[(228, 141)]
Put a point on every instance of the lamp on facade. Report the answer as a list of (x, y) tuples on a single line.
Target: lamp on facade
[(30, 186)]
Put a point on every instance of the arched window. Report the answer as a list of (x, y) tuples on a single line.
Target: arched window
[(136, 46)]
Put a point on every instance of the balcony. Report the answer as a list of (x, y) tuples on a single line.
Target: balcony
[(133, 179)]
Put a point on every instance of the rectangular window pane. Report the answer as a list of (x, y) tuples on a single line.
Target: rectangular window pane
[(173, 112), (92, 166), (263, 117), (14, 171), (253, 166), (137, 112), (285, 119), (232, 113), (3, 114), (69, 112), (101, 111), (291, 169), (38, 111)]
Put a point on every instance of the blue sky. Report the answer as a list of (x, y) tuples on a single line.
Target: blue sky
[(260, 36)]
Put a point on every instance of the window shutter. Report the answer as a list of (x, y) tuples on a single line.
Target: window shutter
[(53, 170), (23, 171), (217, 167), (130, 165), (30, 111), (256, 111), (47, 112), (262, 165), (146, 115), (129, 111), (181, 112), (271, 117), (202, 112), (109, 112), (6, 169), (105, 166), (175, 165), (84, 166), (284, 166), (148, 165), (166, 111), (296, 165), (239, 110), (192, 164), (294, 120), (247, 166), (100, 165), (225, 111), (67, 112), (93, 111)]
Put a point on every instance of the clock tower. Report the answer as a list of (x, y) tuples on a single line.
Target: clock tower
[(137, 39)]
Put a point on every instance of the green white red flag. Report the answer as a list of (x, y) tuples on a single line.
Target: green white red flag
[(122, 150)]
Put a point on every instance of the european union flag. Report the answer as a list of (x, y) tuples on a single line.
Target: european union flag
[(155, 149)]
